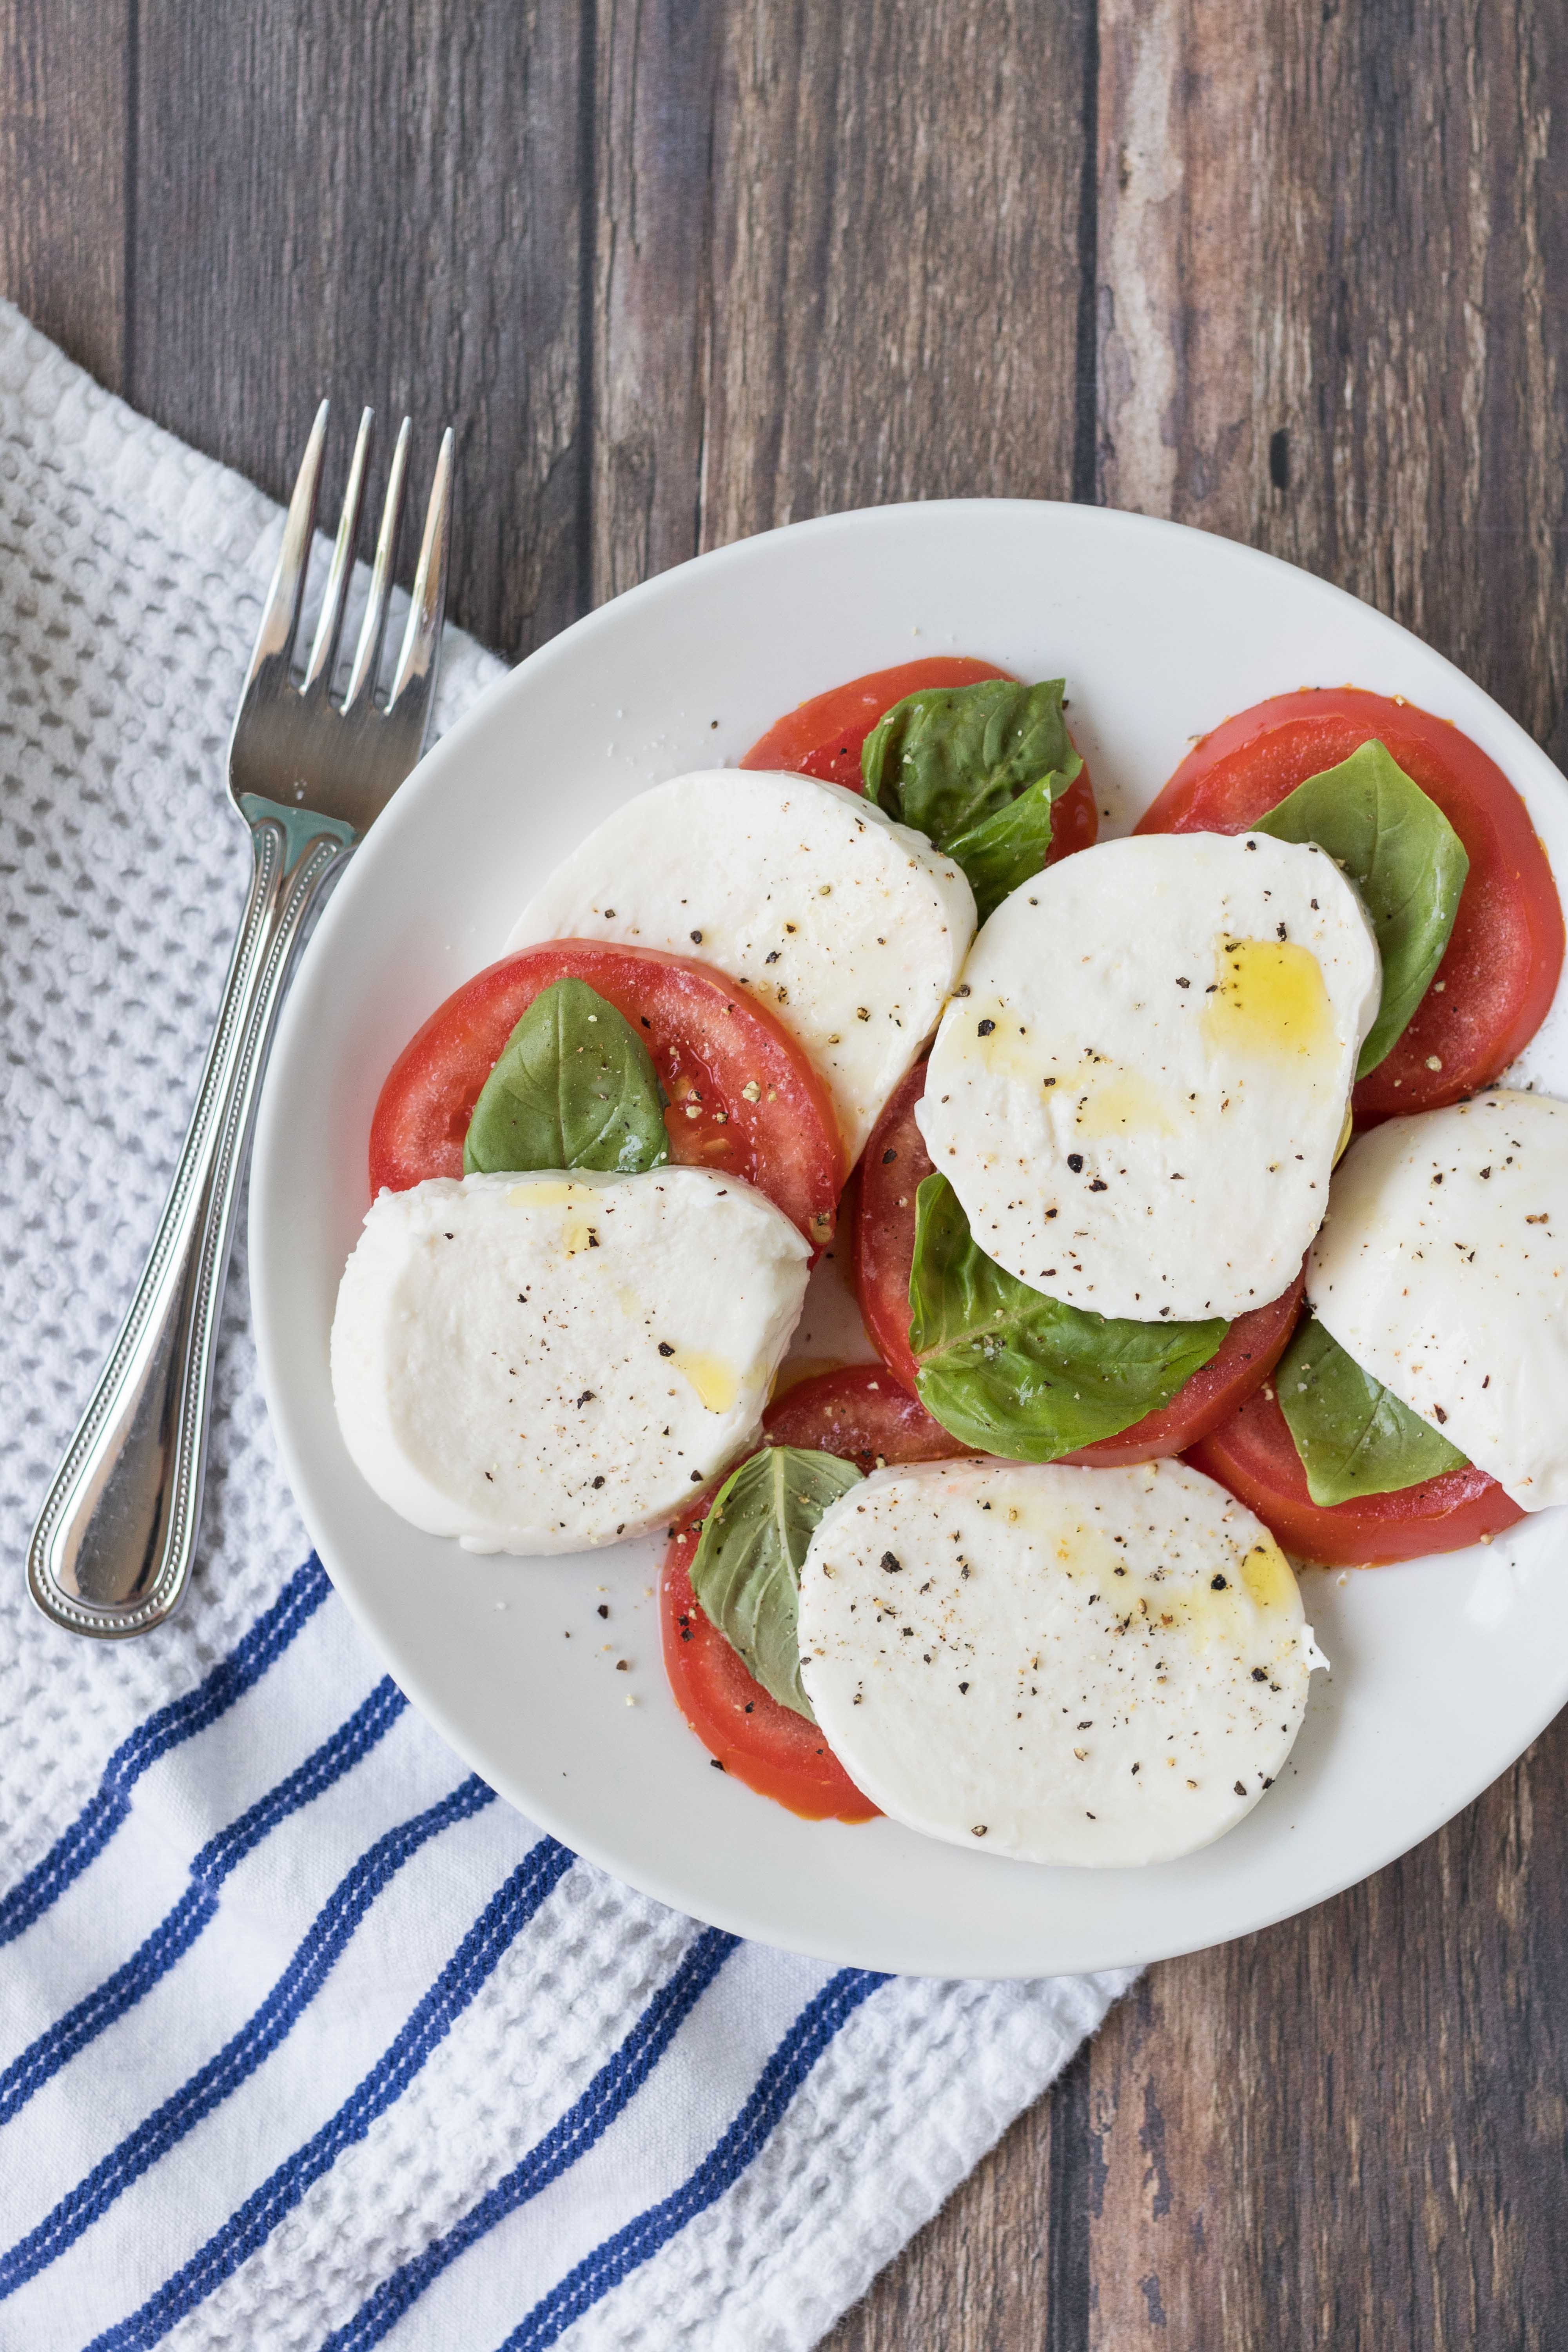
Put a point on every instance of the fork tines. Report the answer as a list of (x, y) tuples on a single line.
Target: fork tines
[(421, 637)]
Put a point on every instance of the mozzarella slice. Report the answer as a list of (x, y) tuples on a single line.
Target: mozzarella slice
[(1138, 1091), (1443, 1270), (540, 1363), (1067, 1666), (851, 928)]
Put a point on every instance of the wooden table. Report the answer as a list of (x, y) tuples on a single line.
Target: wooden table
[(680, 271)]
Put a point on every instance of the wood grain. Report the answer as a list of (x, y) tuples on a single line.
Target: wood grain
[(1324, 329), (679, 271), (1348, 2131), (64, 76), (1326, 242), (838, 264), (382, 201)]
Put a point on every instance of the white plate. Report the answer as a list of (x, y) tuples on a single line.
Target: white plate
[(1442, 1671)]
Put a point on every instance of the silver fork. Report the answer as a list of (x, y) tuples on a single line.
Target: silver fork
[(308, 773)]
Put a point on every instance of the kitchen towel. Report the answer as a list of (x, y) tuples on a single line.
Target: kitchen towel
[(306, 2040)]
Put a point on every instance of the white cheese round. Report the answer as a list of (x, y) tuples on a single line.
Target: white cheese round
[(1139, 1094), (847, 926), (1067, 1665), (1443, 1269), (540, 1363)]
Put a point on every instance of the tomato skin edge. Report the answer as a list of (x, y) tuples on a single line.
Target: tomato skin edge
[(881, 1249), (794, 1151), (1260, 1339), (778, 1753), (1074, 820), (709, 1680), (1254, 1457), (883, 1246), (1505, 955), (824, 736), (865, 1404)]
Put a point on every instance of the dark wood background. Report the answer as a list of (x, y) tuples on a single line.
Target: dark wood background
[(1289, 270)]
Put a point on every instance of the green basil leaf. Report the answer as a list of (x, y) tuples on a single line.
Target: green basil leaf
[(1404, 858), (1009, 847), (1353, 1435), (977, 767), (1011, 1371), (574, 1088), (746, 1571)]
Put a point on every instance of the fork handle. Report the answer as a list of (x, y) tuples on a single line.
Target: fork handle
[(112, 1552)]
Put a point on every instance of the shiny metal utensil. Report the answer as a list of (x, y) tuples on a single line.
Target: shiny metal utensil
[(310, 773)]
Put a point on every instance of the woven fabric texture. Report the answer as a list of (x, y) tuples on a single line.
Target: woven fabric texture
[(306, 2040)]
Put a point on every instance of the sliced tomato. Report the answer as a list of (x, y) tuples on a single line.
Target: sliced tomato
[(862, 1413), (1254, 1455), (883, 1237), (824, 738), (769, 1747), (744, 1098), (1248, 1354), (858, 1412), (893, 1167), (1074, 820), (1497, 981)]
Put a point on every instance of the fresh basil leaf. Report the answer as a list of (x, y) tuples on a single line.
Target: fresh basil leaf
[(1353, 1435), (746, 1571), (1009, 847), (574, 1088), (977, 767), (1404, 858), (1010, 1371)]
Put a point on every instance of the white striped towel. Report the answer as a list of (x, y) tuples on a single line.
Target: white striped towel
[(305, 2040)]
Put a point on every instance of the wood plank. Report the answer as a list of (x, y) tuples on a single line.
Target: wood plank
[(895, 265), (836, 252), (381, 201), (1348, 2131), (658, 71), (978, 2276), (1323, 254), (64, 71), (838, 264), (1325, 248)]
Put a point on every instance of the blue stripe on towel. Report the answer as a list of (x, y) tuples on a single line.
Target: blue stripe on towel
[(179, 1720), (641, 2239), (297, 1986), (493, 1934), (178, 1930), (611, 2089)]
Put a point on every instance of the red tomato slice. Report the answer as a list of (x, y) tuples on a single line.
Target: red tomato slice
[(895, 1163), (761, 1112), (1248, 1354), (1254, 1455), (1497, 981), (856, 1412), (861, 1412), (1074, 820), (893, 1167), (769, 1747), (824, 738)]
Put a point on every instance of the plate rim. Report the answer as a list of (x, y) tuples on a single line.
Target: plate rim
[(537, 1805)]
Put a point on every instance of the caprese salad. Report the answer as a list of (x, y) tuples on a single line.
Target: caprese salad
[(1080, 1113)]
